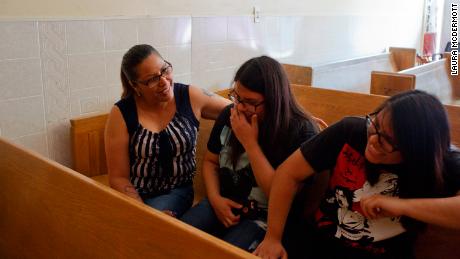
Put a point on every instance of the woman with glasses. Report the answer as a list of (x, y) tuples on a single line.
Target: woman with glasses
[(388, 174), (151, 132), (251, 137)]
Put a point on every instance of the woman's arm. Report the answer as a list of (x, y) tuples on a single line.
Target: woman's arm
[(287, 179), (117, 153), (439, 211), (206, 104), (222, 206)]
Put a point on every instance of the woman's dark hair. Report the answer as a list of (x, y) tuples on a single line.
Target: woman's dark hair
[(421, 129), (133, 57), (266, 76)]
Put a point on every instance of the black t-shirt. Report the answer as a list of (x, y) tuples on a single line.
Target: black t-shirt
[(340, 149), (452, 173), (241, 176)]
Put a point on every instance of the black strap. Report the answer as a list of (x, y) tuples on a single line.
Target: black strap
[(128, 109)]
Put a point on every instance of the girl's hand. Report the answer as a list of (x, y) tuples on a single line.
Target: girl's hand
[(322, 124), (223, 209), (247, 134), (270, 249), (379, 206)]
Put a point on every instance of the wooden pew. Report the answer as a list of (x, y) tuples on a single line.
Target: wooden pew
[(50, 211), (298, 75), (351, 75), (433, 77), (386, 83), (331, 106)]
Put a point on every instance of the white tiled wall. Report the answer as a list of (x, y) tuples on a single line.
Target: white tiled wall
[(51, 71)]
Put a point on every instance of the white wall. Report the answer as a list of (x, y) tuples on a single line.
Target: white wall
[(91, 8), (60, 59)]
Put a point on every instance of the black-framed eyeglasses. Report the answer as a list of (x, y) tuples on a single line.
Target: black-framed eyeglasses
[(385, 141), (236, 99), (153, 81)]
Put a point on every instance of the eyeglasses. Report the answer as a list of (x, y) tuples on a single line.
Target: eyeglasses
[(236, 99), (153, 81), (386, 142)]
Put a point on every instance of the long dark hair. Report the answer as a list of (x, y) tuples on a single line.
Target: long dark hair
[(133, 57), (421, 129), (266, 76)]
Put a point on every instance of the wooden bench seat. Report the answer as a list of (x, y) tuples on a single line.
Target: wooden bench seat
[(352, 75), (432, 77)]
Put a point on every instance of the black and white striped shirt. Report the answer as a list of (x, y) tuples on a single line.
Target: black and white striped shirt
[(161, 161)]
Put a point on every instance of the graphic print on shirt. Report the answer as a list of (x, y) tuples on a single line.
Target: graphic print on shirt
[(340, 214), (239, 183), (236, 183)]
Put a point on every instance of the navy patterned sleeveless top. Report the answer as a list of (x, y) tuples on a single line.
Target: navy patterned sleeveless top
[(160, 162)]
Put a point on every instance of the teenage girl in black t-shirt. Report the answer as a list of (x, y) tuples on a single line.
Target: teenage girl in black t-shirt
[(389, 172)]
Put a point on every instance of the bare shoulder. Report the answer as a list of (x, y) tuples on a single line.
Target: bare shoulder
[(115, 122), (200, 97), (115, 114), (206, 104), (201, 93)]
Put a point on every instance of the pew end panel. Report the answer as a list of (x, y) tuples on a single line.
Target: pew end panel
[(50, 211), (453, 112), (454, 80), (299, 75), (87, 139), (403, 58), (390, 83)]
